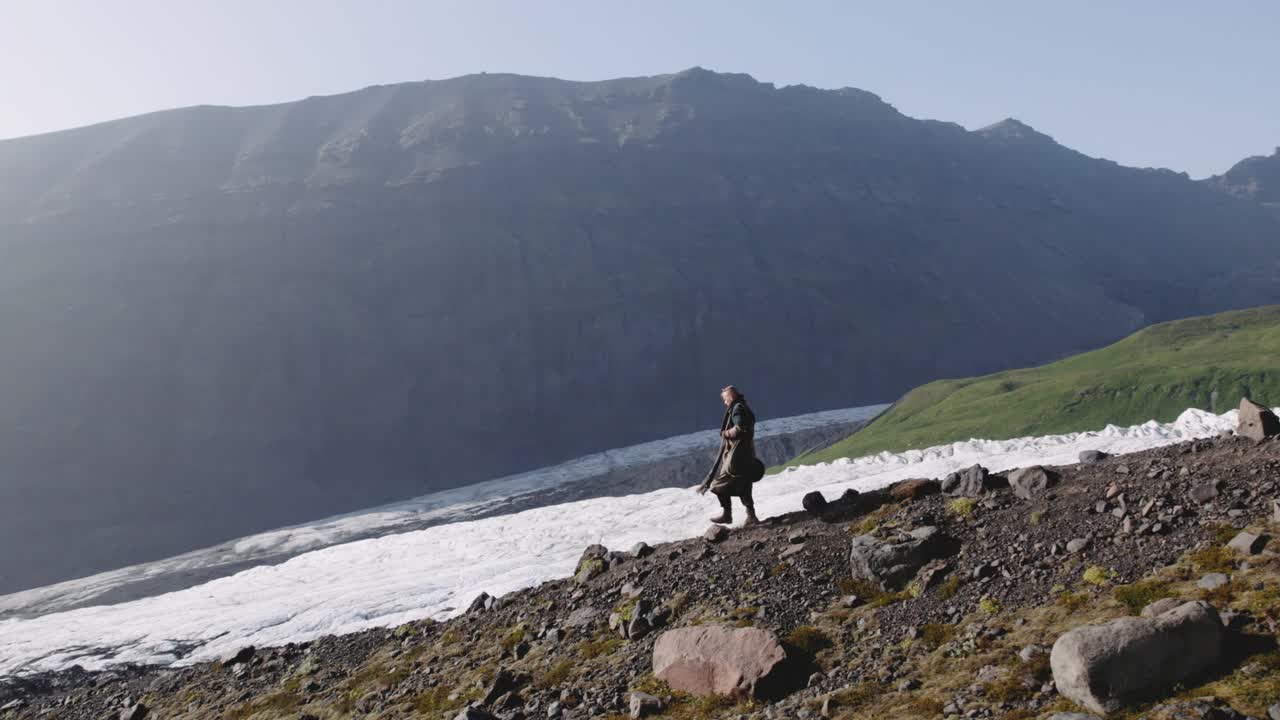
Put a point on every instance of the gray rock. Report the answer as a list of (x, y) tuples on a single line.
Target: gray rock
[(1092, 457), (970, 482), (1160, 607), (1246, 543), (644, 705), (482, 602), (717, 660), (893, 562), (641, 550), (1273, 712), (715, 533), (1205, 492), (814, 503), (593, 563), (1028, 653), (1213, 581), (504, 682), (638, 627), (1031, 483), (1104, 667), (241, 656), (583, 617), (136, 711), (1077, 545), (474, 713), (1257, 422)]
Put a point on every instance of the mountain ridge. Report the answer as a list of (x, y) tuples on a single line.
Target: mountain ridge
[(233, 320)]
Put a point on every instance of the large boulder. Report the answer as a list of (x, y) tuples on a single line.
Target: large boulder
[(1104, 667), (1031, 483), (594, 561), (814, 503), (892, 562), (970, 482), (718, 660), (1257, 422)]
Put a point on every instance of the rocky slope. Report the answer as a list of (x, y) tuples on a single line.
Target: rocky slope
[(224, 320), (997, 571), (1256, 177)]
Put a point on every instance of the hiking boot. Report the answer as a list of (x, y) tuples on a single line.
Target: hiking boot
[(751, 519), (723, 518)]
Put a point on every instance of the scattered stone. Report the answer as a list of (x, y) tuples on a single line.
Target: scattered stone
[(717, 660), (1257, 422), (892, 563), (136, 711), (1275, 511), (1077, 545), (715, 533), (1030, 652), (1213, 581), (472, 712), (1092, 457), (797, 537), (1246, 543), (1103, 667), (1031, 483), (583, 617), (814, 503), (644, 705), (1273, 712), (1205, 492), (641, 550)]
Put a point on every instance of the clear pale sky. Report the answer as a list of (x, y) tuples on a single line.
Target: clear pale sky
[(1189, 85)]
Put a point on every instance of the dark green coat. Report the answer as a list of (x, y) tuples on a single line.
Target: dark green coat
[(736, 466)]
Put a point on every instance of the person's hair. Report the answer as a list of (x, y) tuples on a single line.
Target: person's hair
[(735, 392)]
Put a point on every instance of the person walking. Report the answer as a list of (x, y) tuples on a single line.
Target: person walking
[(736, 466)]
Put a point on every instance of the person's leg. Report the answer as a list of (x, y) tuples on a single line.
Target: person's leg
[(726, 516), (749, 503)]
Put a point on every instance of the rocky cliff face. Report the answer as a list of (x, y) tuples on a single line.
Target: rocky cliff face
[(1255, 177), (218, 320)]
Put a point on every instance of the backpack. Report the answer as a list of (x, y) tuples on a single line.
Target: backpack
[(757, 470)]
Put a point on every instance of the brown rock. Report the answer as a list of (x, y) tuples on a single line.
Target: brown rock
[(914, 489), (1257, 422), (718, 660)]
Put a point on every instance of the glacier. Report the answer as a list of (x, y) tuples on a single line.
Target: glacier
[(434, 572)]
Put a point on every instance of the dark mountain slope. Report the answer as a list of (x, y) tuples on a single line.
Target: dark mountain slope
[(219, 320)]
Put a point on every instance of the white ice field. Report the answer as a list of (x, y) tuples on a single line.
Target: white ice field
[(434, 572)]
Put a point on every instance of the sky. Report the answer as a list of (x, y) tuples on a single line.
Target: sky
[(1188, 85)]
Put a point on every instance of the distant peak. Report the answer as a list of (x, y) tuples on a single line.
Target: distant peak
[(1013, 129), (701, 76)]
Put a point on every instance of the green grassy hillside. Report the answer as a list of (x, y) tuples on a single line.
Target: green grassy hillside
[(1206, 362)]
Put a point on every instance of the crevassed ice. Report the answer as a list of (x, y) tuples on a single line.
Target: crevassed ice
[(436, 571)]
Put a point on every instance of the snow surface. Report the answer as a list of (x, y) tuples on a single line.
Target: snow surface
[(435, 572), (505, 494)]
